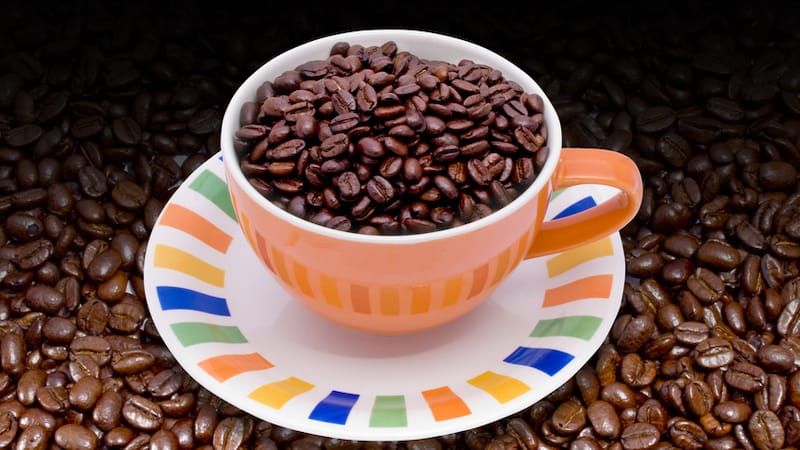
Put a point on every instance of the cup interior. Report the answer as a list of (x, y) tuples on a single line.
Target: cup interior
[(425, 45)]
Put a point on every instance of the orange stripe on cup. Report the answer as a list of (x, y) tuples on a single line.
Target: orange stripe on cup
[(452, 291), (246, 226), (359, 295), (479, 278), (420, 299), (390, 301), (263, 250), (596, 286), (502, 265), (445, 404), (188, 221), (280, 266), (301, 275), (278, 393), (330, 291), (226, 366)]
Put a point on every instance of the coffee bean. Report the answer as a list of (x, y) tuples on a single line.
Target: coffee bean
[(569, 417), (127, 131), (719, 255), (699, 398), (604, 419), (687, 434), (775, 358), (230, 433), (129, 195), (131, 361), (142, 413), (44, 298), (205, 423), (34, 438), (789, 320), (745, 376), (23, 135), (75, 437), (53, 399), (84, 393), (164, 440), (107, 411), (95, 347), (634, 332), (766, 430), (714, 352), (639, 436), (380, 189)]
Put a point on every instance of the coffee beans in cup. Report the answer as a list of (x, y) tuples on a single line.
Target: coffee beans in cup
[(377, 140)]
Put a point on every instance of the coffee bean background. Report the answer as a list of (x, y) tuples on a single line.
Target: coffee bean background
[(106, 107)]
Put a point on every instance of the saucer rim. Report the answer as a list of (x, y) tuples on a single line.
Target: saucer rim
[(362, 433)]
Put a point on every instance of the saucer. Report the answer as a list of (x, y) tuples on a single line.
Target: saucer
[(234, 330)]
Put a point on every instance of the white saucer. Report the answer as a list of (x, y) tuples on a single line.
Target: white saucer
[(234, 330)]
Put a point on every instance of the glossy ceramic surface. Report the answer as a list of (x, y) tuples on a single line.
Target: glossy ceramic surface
[(239, 334)]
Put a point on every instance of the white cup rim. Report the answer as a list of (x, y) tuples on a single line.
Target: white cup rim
[(318, 47)]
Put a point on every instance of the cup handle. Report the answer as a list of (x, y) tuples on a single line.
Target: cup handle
[(591, 166)]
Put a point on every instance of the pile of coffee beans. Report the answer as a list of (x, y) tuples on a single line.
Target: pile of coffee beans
[(376, 140), (104, 111)]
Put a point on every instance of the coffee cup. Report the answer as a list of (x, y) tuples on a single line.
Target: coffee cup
[(397, 284)]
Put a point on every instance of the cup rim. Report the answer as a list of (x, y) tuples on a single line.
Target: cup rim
[(279, 63)]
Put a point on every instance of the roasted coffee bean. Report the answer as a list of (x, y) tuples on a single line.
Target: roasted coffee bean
[(691, 333), (687, 434), (775, 358), (131, 361), (766, 430), (58, 330), (655, 119), (604, 419), (73, 437), (94, 347), (84, 393), (699, 398), (33, 437), (745, 376), (380, 189), (53, 399), (142, 413), (789, 320), (127, 131), (165, 383), (773, 395), (205, 423), (569, 417), (230, 433), (129, 195), (714, 352), (718, 255), (639, 436), (777, 175), (107, 412), (619, 395), (44, 298)]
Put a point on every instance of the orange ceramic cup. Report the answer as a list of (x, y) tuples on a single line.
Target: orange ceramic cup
[(403, 284)]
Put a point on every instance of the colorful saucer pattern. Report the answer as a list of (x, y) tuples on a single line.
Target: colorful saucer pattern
[(234, 330)]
